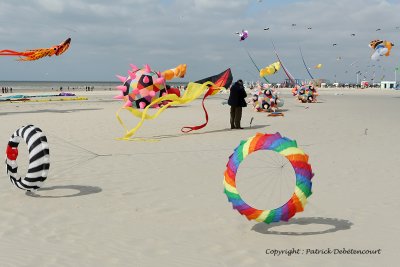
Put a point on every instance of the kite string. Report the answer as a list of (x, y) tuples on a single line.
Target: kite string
[(254, 63), (304, 62), (74, 145)]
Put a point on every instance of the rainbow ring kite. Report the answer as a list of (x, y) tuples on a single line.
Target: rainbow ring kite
[(298, 159)]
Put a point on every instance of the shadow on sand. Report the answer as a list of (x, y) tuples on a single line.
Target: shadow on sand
[(337, 225), (82, 191)]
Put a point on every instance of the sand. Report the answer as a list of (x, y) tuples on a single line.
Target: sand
[(161, 203)]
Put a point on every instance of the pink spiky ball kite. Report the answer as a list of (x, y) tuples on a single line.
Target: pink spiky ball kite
[(141, 87)]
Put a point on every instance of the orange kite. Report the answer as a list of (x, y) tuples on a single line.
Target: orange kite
[(35, 54)]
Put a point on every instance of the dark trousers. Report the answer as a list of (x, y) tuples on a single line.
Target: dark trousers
[(236, 116)]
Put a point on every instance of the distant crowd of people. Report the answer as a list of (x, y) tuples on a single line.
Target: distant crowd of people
[(6, 90), (87, 88)]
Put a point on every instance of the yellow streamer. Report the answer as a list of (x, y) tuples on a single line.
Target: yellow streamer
[(193, 91)]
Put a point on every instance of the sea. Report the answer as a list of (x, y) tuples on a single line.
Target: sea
[(66, 85)]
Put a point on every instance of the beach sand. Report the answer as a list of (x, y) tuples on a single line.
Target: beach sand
[(161, 202)]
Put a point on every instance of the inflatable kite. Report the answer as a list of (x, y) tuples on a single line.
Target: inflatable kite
[(271, 69), (382, 48), (266, 100), (178, 72), (295, 90), (209, 86), (243, 35), (144, 85), (39, 158), (141, 87), (306, 94), (285, 147), (35, 54)]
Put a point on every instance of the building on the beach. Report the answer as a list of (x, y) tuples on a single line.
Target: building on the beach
[(316, 82), (319, 81), (388, 84)]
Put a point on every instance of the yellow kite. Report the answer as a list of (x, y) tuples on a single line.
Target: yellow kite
[(271, 69)]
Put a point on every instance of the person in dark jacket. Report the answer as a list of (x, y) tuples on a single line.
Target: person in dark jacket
[(237, 101)]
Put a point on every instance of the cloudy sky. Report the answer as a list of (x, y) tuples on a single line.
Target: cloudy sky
[(108, 35)]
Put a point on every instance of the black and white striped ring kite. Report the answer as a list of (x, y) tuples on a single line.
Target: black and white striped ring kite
[(39, 158)]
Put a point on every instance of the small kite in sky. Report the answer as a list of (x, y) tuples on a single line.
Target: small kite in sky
[(334, 44), (293, 25), (318, 66), (243, 35), (35, 54), (266, 29), (309, 28), (378, 29), (382, 48), (353, 34)]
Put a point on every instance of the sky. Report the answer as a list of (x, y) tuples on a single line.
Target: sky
[(109, 35)]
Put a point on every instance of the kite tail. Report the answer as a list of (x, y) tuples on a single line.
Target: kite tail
[(290, 77), (192, 92), (7, 52), (187, 129), (143, 115), (305, 65)]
